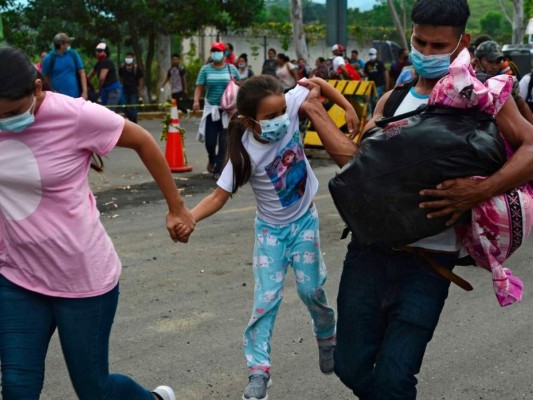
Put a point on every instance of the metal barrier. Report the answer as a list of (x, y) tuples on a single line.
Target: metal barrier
[(358, 93)]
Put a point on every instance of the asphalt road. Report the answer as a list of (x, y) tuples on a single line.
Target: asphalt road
[(183, 308)]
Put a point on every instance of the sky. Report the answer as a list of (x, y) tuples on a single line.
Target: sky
[(363, 5)]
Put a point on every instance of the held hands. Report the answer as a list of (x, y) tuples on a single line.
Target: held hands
[(180, 225), (455, 196)]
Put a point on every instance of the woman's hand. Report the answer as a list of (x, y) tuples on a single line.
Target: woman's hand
[(180, 225), (196, 106)]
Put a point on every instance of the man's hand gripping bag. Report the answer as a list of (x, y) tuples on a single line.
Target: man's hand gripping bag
[(377, 191)]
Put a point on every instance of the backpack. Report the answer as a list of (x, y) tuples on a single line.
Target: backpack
[(377, 191), (396, 97), (53, 57), (529, 97), (354, 75)]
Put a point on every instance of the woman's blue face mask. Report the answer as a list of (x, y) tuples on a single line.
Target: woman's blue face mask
[(17, 123), (433, 66)]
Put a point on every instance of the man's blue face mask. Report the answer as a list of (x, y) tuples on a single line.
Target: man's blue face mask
[(433, 66)]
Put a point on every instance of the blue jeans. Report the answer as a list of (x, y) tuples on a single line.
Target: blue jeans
[(27, 322), (389, 303), (216, 135), (131, 112)]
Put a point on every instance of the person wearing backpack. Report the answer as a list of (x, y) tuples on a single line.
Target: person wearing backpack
[(390, 299), (177, 76), (341, 68), (131, 77), (63, 68)]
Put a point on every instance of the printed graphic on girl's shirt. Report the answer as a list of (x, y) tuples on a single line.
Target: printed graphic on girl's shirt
[(288, 172)]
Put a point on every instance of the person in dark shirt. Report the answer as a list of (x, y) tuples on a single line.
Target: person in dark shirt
[(375, 71), (109, 88), (270, 64), (131, 77), (397, 67)]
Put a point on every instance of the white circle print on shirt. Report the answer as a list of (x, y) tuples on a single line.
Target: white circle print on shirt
[(20, 180)]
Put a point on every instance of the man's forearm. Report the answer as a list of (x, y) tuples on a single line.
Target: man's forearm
[(339, 146)]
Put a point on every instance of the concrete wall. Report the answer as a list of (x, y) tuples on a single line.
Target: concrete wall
[(256, 47)]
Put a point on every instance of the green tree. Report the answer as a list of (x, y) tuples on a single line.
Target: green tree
[(495, 24)]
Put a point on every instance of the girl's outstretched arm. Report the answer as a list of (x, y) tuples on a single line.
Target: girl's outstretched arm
[(334, 95), (210, 204), (180, 222)]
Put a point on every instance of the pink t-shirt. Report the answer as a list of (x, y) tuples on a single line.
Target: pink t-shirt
[(51, 238)]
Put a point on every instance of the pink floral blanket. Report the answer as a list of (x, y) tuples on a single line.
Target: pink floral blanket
[(501, 224)]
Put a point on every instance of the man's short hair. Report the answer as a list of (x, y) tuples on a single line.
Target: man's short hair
[(453, 13), (175, 55)]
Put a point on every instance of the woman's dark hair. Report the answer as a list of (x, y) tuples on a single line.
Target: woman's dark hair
[(283, 57), (244, 56), (17, 80), (453, 13), (17, 74), (249, 97)]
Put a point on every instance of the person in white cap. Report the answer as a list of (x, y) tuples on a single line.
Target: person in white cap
[(375, 71), (63, 68), (338, 62), (109, 88)]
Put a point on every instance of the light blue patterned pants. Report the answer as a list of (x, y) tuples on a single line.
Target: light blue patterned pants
[(277, 246)]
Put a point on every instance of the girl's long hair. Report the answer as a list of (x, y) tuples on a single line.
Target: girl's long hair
[(249, 97), (17, 80)]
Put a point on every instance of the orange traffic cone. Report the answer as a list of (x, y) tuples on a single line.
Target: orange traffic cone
[(174, 150)]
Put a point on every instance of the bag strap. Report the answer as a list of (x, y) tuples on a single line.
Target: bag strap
[(385, 121), (231, 77), (529, 88), (396, 97), (424, 254)]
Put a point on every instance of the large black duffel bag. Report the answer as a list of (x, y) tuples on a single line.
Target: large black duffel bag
[(377, 191)]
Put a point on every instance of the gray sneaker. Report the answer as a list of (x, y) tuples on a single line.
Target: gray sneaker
[(258, 383), (325, 356)]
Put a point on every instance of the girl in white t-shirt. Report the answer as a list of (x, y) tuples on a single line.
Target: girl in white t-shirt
[(58, 267), (265, 148)]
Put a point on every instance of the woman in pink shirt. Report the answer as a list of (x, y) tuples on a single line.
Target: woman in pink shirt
[(58, 266)]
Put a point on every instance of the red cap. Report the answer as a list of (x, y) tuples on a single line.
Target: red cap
[(218, 46), (337, 47)]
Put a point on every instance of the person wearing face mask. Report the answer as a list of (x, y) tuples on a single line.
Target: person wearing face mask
[(63, 68), (390, 298), (109, 88), (58, 267), (375, 71), (214, 77), (270, 64), (131, 78), (265, 148), (229, 55), (245, 71)]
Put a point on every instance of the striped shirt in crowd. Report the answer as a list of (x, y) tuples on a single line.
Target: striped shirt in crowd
[(215, 81)]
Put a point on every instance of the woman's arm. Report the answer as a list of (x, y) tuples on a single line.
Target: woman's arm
[(101, 78), (210, 204), (197, 94), (334, 95), (179, 220)]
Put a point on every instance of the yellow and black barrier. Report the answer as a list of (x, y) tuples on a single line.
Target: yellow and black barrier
[(359, 94)]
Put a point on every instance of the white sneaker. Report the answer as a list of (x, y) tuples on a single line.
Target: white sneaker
[(164, 393)]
